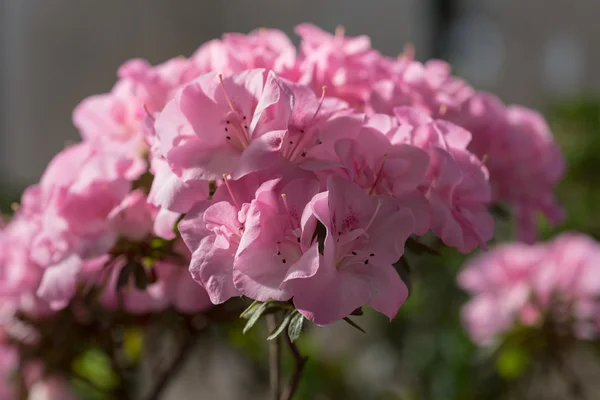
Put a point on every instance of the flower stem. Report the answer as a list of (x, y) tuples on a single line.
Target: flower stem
[(274, 358), (300, 361)]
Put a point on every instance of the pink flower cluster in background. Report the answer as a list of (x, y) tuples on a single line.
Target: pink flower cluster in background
[(527, 285), (235, 158)]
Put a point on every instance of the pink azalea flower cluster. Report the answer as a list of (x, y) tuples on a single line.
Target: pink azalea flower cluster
[(238, 157), (519, 284)]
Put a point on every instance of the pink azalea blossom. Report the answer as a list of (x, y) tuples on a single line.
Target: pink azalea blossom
[(116, 118), (524, 284), (347, 66), (525, 163), (365, 236), (217, 125), (213, 231), (382, 168), (284, 240), (236, 52), (79, 195), (456, 183)]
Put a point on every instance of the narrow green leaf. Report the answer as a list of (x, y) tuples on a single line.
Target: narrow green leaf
[(354, 325), (295, 325), (255, 316), (281, 327), (249, 310)]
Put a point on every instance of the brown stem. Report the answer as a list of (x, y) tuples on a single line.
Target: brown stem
[(300, 361), (574, 386), (171, 372), (274, 358)]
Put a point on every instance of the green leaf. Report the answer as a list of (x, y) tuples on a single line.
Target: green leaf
[(255, 316), (512, 361), (157, 243), (320, 234), (133, 343), (141, 280), (124, 274), (282, 326), (95, 365), (500, 210), (295, 326), (358, 311), (247, 313), (403, 269), (419, 248), (354, 324)]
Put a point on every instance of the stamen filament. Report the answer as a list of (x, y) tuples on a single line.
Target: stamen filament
[(379, 202), (287, 208), (378, 177), (226, 95), (235, 203)]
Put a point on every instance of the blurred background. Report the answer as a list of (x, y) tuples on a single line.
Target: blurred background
[(540, 53)]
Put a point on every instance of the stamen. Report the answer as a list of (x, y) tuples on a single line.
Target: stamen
[(379, 202), (226, 95), (409, 51), (323, 89), (484, 159), (15, 207), (340, 31), (378, 177), (235, 203), (148, 113), (284, 199), (443, 109), (287, 208)]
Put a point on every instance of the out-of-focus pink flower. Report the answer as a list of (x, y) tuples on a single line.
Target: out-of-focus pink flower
[(236, 52), (347, 66), (8, 363), (525, 163), (116, 118), (523, 284), (456, 182), (51, 388)]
